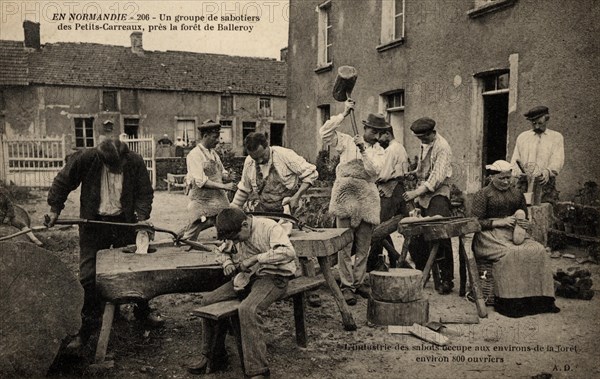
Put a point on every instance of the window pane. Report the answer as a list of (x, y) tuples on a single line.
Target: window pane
[(503, 81), (489, 83), (227, 105), (109, 100)]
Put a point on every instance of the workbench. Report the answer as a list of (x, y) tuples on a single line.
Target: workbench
[(436, 230)]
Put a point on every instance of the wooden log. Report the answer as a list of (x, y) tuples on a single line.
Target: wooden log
[(398, 285), (386, 228), (383, 313), (541, 217), (41, 305), (126, 277)]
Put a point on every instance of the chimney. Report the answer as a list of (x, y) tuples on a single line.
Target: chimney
[(283, 53), (32, 34), (136, 43)]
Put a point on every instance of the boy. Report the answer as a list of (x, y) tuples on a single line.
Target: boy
[(262, 246)]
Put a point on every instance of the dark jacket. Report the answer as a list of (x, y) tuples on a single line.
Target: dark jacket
[(85, 168)]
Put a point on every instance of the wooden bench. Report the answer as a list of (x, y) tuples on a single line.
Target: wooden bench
[(175, 180), (229, 310)]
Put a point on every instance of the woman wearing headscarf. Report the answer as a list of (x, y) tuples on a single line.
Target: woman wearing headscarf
[(523, 278)]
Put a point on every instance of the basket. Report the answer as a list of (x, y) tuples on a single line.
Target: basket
[(486, 279)]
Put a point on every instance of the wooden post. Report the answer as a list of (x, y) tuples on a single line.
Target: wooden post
[(347, 318), (107, 321), (464, 248), (299, 308)]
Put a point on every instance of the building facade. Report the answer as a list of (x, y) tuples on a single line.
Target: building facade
[(475, 66), (73, 88)]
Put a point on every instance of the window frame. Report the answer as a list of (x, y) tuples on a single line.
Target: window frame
[(230, 99), (86, 139), (265, 111), (226, 124), (127, 122), (103, 105), (389, 16), (324, 38)]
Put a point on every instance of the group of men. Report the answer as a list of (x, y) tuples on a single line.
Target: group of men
[(369, 188)]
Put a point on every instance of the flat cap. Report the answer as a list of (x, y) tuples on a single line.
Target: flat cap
[(208, 125), (422, 126), (536, 112), (376, 121)]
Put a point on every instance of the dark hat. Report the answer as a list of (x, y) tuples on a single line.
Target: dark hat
[(209, 125), (376, 121), (536, 112), (422, 126)]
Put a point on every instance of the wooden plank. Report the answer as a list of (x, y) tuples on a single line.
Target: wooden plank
[(322, 243), (399, 329), (428, 335), (107, 321), (441, 230)]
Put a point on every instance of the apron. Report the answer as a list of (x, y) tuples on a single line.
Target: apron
[(271, 191), (423, 172), (208, 202)]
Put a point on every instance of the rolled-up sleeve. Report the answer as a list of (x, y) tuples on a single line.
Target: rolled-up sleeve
[(440, 170), (281, 249), (195, 168), (328, 130), (305, 171), (557, 159)]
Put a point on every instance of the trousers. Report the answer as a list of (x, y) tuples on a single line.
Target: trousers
[(352, 276), (419, 248), (264, 291)]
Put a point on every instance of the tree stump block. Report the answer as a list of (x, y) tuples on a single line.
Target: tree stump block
[(398, 285), (541, 217), (384, 313), (40, 305)]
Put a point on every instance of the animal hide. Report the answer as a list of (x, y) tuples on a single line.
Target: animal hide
[(354, 195)]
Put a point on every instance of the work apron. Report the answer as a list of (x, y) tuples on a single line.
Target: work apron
[(271, 191), (208, 202), (423, 172)]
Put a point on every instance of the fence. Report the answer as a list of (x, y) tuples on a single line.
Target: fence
[(145, 146), (30, 161)]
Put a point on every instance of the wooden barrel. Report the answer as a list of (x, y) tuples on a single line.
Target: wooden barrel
[(384, 313), (398, 285)]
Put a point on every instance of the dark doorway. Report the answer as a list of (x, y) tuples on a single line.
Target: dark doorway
[(495, 128), (247, 128), (276, 135)]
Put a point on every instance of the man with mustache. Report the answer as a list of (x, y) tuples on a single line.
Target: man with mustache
[(542, 150)]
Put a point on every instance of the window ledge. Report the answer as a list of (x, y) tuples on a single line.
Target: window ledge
[(390, 45), (490, 8), (324, 68)]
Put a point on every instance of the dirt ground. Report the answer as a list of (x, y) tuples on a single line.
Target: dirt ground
[(563, 345)]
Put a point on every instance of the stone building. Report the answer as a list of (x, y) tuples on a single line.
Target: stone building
[(475, 66)]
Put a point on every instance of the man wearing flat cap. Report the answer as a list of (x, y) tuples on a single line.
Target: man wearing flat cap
[(432, 196), (354, 196), (541, 152), (205, 172)]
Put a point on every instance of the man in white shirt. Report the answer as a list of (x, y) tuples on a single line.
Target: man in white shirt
[(205, 174), (540, 151), (354, 196), (273, 174), (391, 187)]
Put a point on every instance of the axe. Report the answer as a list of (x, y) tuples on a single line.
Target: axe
[(343, 86)]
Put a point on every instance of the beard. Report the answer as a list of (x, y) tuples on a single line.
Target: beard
[(384, 144)]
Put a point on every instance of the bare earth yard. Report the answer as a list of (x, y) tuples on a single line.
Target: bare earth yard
[(564, 345)]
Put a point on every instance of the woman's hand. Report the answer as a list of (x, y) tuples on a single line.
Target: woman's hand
[(506, 222), (524, 223)]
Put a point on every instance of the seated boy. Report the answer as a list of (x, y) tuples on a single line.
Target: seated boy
[(264, 248)]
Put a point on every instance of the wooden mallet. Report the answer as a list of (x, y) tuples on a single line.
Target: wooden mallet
[(343, 86)]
